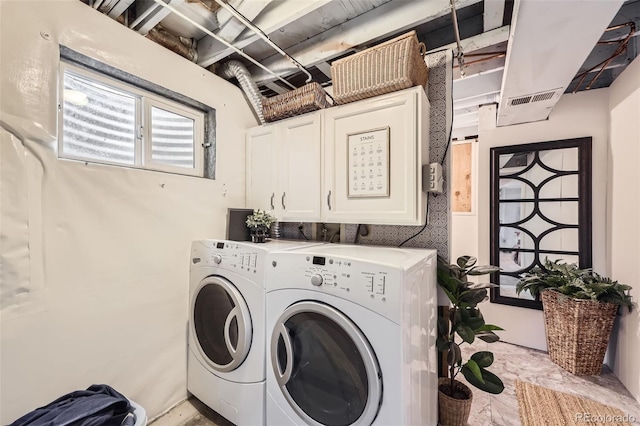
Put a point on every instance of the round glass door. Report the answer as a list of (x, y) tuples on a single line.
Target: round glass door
[(325, 366), (221, 324)]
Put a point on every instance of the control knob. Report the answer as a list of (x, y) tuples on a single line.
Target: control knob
[(217, 258), (316, 280)]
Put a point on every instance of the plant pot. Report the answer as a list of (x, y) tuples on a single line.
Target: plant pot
[(259, 235), (577, 331), (453, 411)]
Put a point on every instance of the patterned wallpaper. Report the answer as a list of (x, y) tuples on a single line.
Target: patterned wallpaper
[(437, 232)]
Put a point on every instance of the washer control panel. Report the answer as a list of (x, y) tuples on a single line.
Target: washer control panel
[(375, 286), (228, 255)]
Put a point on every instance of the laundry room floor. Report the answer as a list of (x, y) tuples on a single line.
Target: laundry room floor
[(191, 412), (511, 362)]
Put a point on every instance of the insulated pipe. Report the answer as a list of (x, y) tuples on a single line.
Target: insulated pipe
[(237, 69), (221, 40), (183, 46)]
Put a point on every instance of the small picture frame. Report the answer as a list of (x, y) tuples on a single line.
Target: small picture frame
[(368, 163)]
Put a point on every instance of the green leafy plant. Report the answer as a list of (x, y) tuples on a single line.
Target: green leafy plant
[(260, 220), (465, 323), (572, 281)]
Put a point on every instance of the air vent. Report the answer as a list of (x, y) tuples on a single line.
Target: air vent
[(534, 97), (543, 96), (520, 101)]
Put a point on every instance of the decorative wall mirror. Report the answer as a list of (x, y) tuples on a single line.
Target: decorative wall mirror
[(540, 208)]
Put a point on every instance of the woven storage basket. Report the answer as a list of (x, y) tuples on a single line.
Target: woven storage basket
[(394, 65), (577, 331), (307, 98), (452, 411)]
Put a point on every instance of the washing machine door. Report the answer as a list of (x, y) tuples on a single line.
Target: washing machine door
[(221, 324), (325, 366)]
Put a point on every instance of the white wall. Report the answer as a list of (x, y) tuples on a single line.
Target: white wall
[(94, 280), (582, 114), (623, 211)]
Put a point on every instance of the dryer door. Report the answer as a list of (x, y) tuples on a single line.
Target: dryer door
[(325, 366), (221, 323)]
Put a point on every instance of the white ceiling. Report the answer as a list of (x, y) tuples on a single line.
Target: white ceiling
[(513, 49)]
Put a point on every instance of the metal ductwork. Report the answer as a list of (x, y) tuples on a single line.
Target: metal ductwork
[(237, 69)]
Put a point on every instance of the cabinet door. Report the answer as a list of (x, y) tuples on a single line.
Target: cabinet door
[(299, 166), (382, 183), (261, 177)]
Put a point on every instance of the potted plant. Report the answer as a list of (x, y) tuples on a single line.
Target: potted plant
[(463, 324), (259, 223), (579, 308)]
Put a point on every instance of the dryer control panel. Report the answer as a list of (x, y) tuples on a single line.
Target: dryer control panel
[(372, 285), (240, 258)]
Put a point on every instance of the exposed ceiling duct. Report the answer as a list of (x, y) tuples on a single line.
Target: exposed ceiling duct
[(537, 71), (557, 47), (208, 32), (231, 69)]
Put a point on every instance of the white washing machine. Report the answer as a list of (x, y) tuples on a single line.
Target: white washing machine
[(351, 336), (226, 355)]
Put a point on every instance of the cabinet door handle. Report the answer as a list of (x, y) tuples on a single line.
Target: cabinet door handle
[(282, 201), (273, 194), (329, 199)]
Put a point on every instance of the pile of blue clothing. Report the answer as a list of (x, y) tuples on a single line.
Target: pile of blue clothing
[(99, 405)]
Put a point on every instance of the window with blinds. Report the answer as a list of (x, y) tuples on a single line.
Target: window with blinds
[(106, 121)]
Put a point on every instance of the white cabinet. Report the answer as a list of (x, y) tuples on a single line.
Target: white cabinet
[(283, 168), (261, 174), (373, 156), (300, 168)]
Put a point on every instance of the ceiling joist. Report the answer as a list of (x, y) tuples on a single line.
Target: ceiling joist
[(389, 18), (493, 14), (230, 27), (480, 41), (276, 16)]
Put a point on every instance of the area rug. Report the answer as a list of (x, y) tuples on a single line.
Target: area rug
[(540, 406)]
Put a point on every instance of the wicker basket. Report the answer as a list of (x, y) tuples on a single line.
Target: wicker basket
[(394, 65), (577, 331), (307, 98), (452, 411)]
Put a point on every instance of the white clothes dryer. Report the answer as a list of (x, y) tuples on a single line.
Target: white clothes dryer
[(226, 346), (351, 336)]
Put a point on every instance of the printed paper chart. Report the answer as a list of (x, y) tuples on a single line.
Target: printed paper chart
[(369, 163)]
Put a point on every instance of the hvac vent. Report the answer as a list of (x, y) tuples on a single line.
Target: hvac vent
[(520, 101), (534, 97), (543, 96)]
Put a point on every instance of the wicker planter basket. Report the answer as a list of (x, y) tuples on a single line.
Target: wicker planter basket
[(307, 98), (452, 411), (394, 65), (577, 331)]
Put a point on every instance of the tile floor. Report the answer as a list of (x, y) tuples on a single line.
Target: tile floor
[(511, 362)]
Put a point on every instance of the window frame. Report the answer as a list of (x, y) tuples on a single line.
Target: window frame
[(145, 100)]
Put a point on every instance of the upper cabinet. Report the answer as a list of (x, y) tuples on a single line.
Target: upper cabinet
[(260, 171), (299, 167), (283, 168), (373, 156), (355, 163)]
